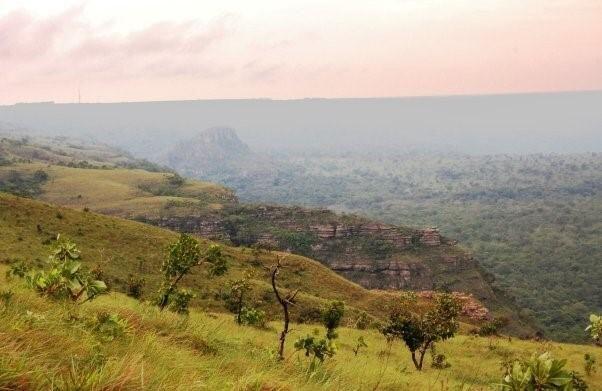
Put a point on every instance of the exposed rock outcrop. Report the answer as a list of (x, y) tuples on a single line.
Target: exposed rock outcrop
[(470, 306), (375, 255)]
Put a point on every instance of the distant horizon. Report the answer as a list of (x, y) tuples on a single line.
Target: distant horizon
[(467, 95), (543, 122)]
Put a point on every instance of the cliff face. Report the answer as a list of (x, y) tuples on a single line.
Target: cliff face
[(375, 255)]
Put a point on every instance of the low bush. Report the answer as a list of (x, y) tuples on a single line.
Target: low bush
[(540, 373), (180, 301), (252, 317)]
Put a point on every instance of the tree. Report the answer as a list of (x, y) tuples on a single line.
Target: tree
[(325, 347), (285, 301), (331, 318), (235, 297), (182, 256), (595, 328), (66, 278), (419, 331)]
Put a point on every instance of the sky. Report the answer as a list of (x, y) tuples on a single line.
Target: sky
[(115, 50)]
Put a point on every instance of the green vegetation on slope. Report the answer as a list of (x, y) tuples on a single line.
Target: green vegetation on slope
[(120, 248), (533, 221), (121, 192), (64, 151), (117, 342), (168, 200)]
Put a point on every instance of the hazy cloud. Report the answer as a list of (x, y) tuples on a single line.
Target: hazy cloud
[(63, 45)]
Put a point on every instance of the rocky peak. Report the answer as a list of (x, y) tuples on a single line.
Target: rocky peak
[(214, 150), (220, 138)]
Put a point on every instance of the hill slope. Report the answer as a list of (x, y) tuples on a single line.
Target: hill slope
[(533, 220), (372, 254), (46, 345), (121, 248)]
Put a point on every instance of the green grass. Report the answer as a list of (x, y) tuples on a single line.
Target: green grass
[(127, 193), (122, 248), (67, 152), (49, 345)]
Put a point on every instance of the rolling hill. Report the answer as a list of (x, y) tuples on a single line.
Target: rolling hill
[(373, 254), (45, 344)]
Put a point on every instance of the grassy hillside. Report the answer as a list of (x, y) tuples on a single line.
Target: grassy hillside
[(121, 248), (66, 152), (126, 193), (48, 345), (211, 210)]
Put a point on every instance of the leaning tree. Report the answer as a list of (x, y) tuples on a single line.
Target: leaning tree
[(182, 256), (285, 300)]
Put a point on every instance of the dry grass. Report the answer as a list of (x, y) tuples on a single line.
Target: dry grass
[(42, 346), (122, 248), (124, 192)]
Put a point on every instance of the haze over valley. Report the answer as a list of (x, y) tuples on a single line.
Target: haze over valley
[(301, 195)]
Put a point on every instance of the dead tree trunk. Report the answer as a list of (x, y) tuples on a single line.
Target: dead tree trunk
[(285, 302)]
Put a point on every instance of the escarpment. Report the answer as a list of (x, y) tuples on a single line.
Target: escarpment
[(375, 255)]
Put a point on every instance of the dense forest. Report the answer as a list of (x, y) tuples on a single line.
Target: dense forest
[(533, 221)]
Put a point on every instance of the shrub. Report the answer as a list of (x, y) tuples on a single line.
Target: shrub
[(251, 317), (360, 343), (6, 296), (577, 382), (363, 321), (309, 315), (17, 269), (180, 301), (66, 277), (438, 360), (109, 326), (589, 364), (135, 287), (539, 373), (324, 347), (489, 328), (234, 297), (331, 318), (23, 185), (316, 348), (175, 180)]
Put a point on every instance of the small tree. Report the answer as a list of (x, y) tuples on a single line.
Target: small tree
[(66, 278), (589, 364), (331, 318), (595, 328), (360, 343), (420, 331), (325, 347), (285, 301), (182, 256), (235, 297)]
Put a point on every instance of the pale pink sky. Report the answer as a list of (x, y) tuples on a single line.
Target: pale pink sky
[(197, 49)]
